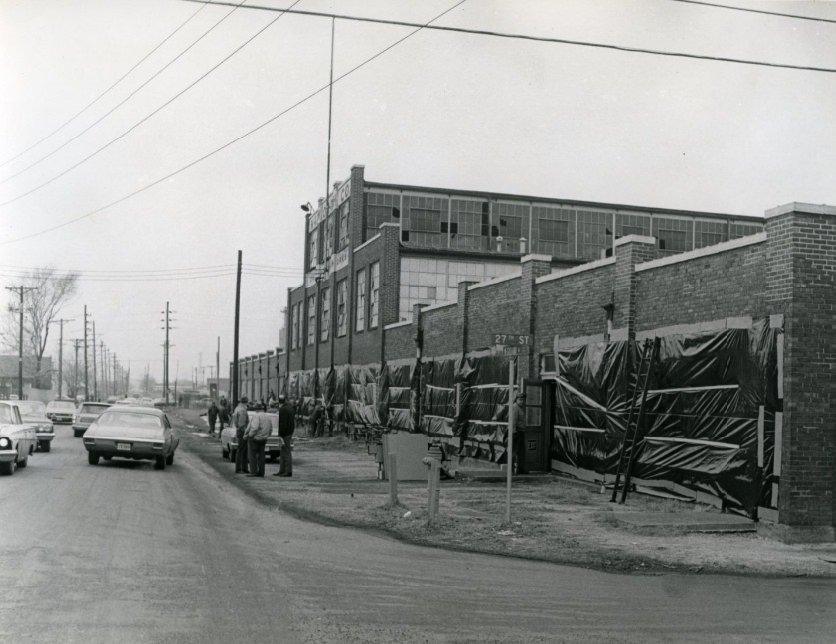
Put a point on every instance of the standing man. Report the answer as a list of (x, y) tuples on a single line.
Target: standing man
[(519, 432), (240, 420), (223, 412), (287, 422), (256, 435), (212, 415)]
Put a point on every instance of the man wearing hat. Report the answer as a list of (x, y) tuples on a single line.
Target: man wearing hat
[(240, 420), (287, 419)]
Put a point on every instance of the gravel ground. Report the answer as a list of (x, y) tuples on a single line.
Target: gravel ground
[(552, 519)]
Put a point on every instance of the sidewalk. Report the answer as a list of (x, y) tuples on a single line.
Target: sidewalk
[(335, 481)]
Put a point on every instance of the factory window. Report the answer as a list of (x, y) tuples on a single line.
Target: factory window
[(374, 296), (360, 311), (342, 326)]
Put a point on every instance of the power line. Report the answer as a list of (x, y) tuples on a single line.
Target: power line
[(162, 270), (129, 97), (761, 11), (228, 143), (562, 41), (104, 93)]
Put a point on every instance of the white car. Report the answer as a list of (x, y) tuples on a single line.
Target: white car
[(33, 412), (17, 439)]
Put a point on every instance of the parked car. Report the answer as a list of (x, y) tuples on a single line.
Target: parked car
[(139, 433), (33, 412), (60, 411), (85, 414), (229, 440), (17, 439)]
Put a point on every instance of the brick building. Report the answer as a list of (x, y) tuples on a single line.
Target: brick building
[(406, 288)]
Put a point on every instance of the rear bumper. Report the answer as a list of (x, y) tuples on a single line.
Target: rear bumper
[(45, 438), (138, 449)]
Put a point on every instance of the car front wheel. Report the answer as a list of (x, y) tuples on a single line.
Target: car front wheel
[(92, 458), (7, 468)]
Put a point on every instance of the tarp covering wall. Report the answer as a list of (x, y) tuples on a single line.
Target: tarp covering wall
[(398, 389), (482, 423), (438, 396), (361, 384), (702, 411)]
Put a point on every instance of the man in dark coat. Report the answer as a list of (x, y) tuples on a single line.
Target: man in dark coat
[(223, 412), (212, 416), (287, 423), (240, 419)]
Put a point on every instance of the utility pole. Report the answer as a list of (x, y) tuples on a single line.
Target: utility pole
[(166, 351), (21, 290), (218, 371), (95, 383), (86, 384), (235, 341), (61, 358), (103, 358), (76, 342), (115, 378)]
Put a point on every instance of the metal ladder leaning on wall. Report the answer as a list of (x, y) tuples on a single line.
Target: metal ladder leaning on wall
[(635, 417)]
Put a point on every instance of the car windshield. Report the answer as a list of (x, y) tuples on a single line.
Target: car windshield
[(129, 419), (92, 409), (5, 414), (31, 407)]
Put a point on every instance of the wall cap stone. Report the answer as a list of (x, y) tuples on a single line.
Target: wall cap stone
[(438, 305), (495, 280), (799, 207), (395, 325), (367, 242), (722, 247), (589, 266), (639, 239), (536, 258)]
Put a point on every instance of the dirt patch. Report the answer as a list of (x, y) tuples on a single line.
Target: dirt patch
[(552, 519)]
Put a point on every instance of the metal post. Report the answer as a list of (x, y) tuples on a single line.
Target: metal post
[(393, 478), (86, 383), (509, 455)]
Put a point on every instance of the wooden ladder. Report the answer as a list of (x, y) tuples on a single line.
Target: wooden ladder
[(635, 418)]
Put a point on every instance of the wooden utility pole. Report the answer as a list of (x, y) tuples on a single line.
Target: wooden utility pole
[(61, 358), (21, 290), (235, 340)]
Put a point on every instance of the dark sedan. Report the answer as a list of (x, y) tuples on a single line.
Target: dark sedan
[(139, 433)]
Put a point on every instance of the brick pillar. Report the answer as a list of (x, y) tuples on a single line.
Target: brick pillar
[(533, 266), (629, 251), (801, 284), (390, 280), (463, 301)]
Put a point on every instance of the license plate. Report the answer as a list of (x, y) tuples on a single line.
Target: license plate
[(123, 447)]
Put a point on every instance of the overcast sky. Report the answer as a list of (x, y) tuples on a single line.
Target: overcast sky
[(189, 159)]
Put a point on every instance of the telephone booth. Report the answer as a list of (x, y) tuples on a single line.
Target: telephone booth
[(539, 403)]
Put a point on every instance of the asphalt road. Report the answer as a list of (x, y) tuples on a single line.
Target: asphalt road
[(120, 552)]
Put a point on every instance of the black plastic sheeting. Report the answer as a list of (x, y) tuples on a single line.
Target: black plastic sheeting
[(397, 407), (438, 396), (361, 384), (701, 415)]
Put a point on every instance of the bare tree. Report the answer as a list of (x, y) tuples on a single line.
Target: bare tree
[(47, 291)]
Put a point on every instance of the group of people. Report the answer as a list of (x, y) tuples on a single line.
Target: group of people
[(252, 429)]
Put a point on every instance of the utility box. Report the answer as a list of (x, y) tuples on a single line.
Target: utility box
[(410, 450)]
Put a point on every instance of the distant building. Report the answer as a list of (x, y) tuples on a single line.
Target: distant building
[(32, 379)]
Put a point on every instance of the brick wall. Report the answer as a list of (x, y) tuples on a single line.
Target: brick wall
[(442, 332), (571, 306), (712, 287), (801, 270), (400, 341), (495, 309)]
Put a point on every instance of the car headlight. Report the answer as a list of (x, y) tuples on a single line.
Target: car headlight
[(5, 443)]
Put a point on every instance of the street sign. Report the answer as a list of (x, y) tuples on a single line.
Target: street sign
[(511, 340)]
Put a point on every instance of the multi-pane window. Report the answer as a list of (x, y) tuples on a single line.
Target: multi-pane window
[(374, 295), (673, 235), (295, 324), (510, 221), (594, 236), (554, 231), (329, 236), (342, 325), (311, 319), (737, 229), (708, 233), (632, 225), (324, 314), (423, 219), (344, 212), (471, 219), (558, 225), (360, 311), (314, 248), (381, 208)]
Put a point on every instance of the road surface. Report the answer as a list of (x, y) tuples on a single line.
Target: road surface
[(120, 552)]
